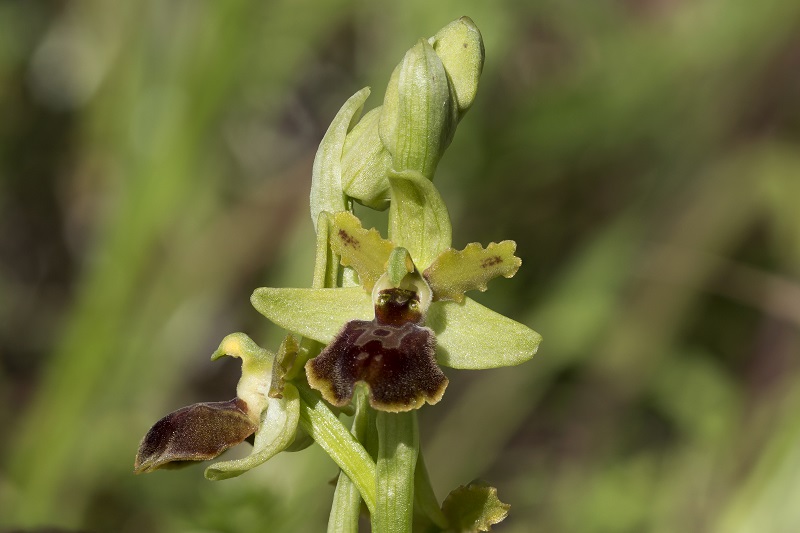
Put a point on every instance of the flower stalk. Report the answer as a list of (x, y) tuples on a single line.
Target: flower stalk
[(398, 448)]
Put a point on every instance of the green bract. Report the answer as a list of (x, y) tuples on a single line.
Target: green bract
[(474, 507)]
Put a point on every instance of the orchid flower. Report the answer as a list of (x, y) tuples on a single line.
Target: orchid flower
[(387, 331), (203, 431)]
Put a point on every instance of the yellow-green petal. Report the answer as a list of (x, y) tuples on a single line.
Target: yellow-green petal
[(471, 336), (363, 250), (455, 272)]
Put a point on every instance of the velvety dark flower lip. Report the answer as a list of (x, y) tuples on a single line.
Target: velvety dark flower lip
[(392, 354), (198, 432)]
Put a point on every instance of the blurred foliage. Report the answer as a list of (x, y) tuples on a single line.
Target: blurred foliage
[(155, 161)]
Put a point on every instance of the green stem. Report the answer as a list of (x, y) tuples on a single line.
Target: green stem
[(424, 495), (323, 426), (346, 506), (398, 447)]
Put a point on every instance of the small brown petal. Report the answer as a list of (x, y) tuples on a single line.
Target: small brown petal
[(195, 433), (396, 361)]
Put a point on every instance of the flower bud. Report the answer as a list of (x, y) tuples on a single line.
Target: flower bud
[(428, 93), (418, 116), (460, 47)]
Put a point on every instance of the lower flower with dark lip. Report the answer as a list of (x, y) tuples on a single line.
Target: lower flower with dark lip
[(203, 431)]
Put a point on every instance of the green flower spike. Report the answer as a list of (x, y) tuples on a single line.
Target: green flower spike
[(203, 431), (385, 334)]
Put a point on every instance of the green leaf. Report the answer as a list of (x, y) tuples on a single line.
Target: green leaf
[(363, 250), (474, 507), (276, 432), (398, 447), (326, 176), (318, 314), (460, 47), (323, 426), (455, 272), (418, 218), (471, 336)]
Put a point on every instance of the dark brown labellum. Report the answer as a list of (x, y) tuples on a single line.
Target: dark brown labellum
[(397, 362), (195, 433)]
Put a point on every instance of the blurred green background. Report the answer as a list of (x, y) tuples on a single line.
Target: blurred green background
[(155, 162)]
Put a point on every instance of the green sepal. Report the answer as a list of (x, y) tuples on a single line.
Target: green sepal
[(474, 507), (455, 272), (256, 370), (275, 433), (418, 218), (318, 314), (363, 250), (326, 175), (460, 47), (471, 336), (366, 162)]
